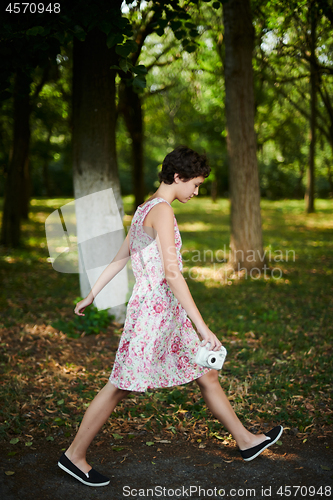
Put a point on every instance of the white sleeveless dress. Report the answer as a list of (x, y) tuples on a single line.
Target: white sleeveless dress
[(158, 344)]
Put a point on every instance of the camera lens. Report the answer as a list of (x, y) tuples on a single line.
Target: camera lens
[(212, 360)]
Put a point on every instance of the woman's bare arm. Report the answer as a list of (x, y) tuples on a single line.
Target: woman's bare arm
[(117, 264), (163, 222)]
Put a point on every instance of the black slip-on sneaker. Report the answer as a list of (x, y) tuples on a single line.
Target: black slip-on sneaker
[(91, 478), (253, 452)]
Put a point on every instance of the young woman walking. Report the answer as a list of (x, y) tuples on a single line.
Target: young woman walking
[(158, 344)]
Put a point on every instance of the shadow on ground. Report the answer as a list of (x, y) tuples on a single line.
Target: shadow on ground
[(176, 469)]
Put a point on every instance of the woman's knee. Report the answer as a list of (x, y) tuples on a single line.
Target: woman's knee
[(208, 378)]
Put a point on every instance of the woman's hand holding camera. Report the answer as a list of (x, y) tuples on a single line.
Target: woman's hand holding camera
[(208, 336)]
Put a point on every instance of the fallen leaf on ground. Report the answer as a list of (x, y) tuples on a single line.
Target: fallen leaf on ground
[(117, 436)]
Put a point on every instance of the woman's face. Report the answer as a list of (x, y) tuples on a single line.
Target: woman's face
[(187, 189)]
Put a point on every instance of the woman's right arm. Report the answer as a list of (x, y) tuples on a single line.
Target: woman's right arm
[(117, 264)]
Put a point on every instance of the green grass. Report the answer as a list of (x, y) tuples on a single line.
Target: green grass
[(278, 331)]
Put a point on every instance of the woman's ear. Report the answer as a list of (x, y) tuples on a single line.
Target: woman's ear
[(176, 178)]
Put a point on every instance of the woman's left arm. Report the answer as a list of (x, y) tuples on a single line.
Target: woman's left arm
[(163, 223)]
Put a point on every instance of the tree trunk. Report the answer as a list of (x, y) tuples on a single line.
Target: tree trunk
[(98, 205), (246, 232), (46, 177), (25, 189), (214, 190), (11, 219), (329, 176), (299, 193), (309, 195), (130, 106)]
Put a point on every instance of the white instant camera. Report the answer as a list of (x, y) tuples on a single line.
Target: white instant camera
[(210, 359)]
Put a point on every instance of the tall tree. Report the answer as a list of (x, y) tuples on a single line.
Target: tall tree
[(246, 232), (23, 49), (99, 213), (17, 168), (309, 195)]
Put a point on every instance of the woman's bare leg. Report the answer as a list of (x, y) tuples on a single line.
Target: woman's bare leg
[(218, 403), (96, 415)]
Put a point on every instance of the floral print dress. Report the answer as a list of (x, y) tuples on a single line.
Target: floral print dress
[(158, 344)]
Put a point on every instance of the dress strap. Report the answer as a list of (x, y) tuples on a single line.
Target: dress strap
[(143, 211)]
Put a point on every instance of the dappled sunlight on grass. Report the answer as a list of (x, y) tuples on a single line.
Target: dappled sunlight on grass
[(195, 226), (52, 203)]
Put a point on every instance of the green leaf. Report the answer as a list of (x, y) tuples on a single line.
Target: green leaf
[(163, 23), (79, 33), (216, 435), (180, 34), (117, 436), (216, 5), (159, 31), (140, 69), (11, 453), (324, 467), (50, 438), (106, 27), (36, 30), (60, 402), (123, 50), (175, 25), (117, 448), (150, 443), (14, 441), (120, 22), (9, 472), (28, 443), (140, 82), (190, 48), (125, 65)]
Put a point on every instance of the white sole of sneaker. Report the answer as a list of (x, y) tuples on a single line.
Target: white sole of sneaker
[(269, 444), (80, 479)]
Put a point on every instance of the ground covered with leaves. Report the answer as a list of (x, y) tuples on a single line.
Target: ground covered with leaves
[(277, 330)]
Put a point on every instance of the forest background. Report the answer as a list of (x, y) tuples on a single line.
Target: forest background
[(183, 101)]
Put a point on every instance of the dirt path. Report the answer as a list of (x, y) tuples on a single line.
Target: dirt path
[(176, 469)]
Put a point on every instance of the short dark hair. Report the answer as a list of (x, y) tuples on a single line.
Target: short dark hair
[(186, 163)]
